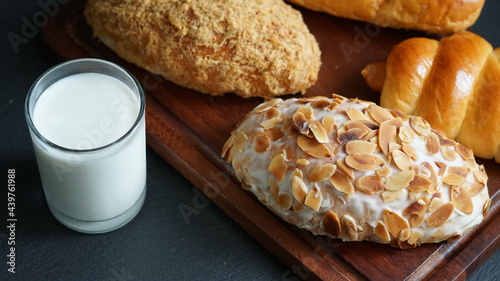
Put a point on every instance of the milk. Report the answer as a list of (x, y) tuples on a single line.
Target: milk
[(85, 111), (92, 162)]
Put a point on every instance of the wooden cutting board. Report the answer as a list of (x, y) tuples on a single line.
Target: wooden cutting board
[(188, 129)]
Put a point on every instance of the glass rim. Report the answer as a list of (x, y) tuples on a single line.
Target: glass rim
[(33, 128)]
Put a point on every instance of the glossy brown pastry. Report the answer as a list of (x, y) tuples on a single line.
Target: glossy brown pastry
[(453, 83), (251, 48), (353, 170), (443, 16)]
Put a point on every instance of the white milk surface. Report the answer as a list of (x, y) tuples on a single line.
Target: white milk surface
[(86, 111)]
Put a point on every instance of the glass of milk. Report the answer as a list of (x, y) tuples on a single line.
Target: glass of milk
[(86, 120)]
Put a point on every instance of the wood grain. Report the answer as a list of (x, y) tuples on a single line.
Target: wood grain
[(188, 130)]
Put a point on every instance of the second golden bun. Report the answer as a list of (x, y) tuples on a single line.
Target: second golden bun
[(251, 48)]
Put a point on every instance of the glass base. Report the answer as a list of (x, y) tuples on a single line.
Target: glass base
[(96, 227)]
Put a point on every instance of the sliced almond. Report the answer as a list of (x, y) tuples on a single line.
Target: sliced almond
[(409, 150), (300, 122), (297, 207), (322, 172), (261, 143), (433, 178), (334, 105), (396, 121), (449, 154), (465, 152), (481, 176), (405, 234), (372, 125), (414, 195), (299, 189), (313, 147), (475, 189), (349, 227), (443, 141), (287, 128), (348, 171), (416, 220), (419, 184), (278, 166), (290, 153), (435, 203), (399, 114), (357, 125), (440, 215), (454, 179), (239, 142), (390, 196), (458, 170), (274, 189), (321, 103), (432, 144), (245, 186), (271, 113), (486, 207), (370, 184), (364, 162), (406, 134), (285, 201), (399, 180), (378, 113), (267, 105), (307, 111), (355, 114), (274, 133), (338, 98), (381, 231), (394, 146), (371, 136), (387, 134), (302, 161), (416, 208), (402, 160), (314, 199), (344, 137), (341, 182), (443, 168), (358, 146), (462, 199), (331, 224), (420, 126), (328, 123), (422, 171), (395, 223), (271, 123), (318, 131), (384, 171), (414, 237)]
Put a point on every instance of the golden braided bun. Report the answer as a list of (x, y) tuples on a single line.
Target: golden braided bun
[(453, 83)]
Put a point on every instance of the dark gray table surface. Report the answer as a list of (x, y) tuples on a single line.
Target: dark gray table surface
[(159, 244)]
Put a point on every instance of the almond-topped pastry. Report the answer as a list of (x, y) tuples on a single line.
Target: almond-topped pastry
[(353, 170)]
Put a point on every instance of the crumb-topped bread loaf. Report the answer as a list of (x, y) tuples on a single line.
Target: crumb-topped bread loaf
[(251, 48), (353, 170)]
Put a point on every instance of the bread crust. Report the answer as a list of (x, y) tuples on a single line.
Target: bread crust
[(444, 16), (453, 83), (251, 48)]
